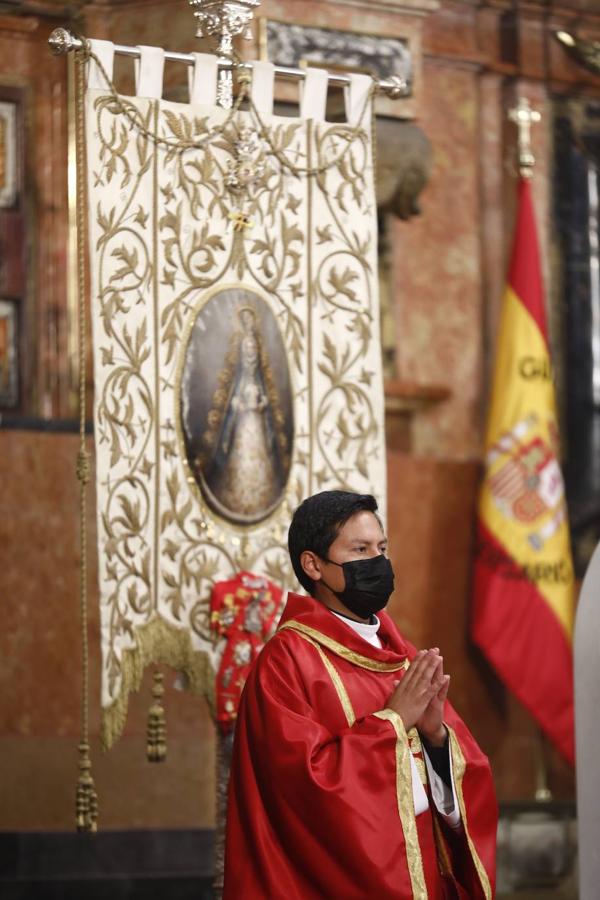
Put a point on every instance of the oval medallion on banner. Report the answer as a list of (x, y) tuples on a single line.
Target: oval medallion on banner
[(236, 405)]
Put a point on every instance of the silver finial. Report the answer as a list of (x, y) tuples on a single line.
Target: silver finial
[(224, 20)]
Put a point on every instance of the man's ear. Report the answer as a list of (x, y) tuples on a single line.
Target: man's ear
[(310, 562)]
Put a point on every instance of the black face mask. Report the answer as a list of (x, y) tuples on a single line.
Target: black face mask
[(368, 585)]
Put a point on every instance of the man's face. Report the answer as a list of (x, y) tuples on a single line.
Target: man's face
[(361, 537)]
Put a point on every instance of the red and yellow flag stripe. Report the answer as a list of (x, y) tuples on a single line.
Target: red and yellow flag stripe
[(524, 586)]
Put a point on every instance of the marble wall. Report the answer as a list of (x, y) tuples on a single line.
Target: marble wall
[(448, 276), (43, 316), (40, 668)]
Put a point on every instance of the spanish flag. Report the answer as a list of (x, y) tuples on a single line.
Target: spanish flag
[(524, 587)]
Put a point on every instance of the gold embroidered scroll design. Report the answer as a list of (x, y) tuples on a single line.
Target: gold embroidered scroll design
[(344, 285)]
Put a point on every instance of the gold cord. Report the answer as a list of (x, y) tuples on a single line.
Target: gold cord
[(86, 797), (86, 54)]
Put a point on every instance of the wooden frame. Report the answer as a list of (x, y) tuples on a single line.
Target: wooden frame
[(9, 354)]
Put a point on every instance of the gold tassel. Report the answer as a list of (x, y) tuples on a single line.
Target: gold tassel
[(156, 743), (86, 803)]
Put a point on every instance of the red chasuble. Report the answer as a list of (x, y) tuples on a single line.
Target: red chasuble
[(320, 797)]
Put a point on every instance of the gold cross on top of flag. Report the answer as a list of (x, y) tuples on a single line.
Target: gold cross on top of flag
[(524, 117)]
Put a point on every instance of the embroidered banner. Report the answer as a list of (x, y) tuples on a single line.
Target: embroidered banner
[(237, 360)]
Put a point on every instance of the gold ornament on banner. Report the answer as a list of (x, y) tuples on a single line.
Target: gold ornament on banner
[(247, 170), (248, 167), (240, 221)]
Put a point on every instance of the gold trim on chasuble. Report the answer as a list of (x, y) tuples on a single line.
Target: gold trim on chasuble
[(337, 682), (357, 659), (459, 766), (406, 806), (404, 794), (416, 747)]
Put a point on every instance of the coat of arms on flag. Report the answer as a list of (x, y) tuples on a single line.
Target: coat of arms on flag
[(527, 485)]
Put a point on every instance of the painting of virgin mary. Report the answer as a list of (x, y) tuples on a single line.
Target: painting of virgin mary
[(238, 417)]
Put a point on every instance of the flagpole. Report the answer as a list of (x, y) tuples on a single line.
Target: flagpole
[(524, 117)]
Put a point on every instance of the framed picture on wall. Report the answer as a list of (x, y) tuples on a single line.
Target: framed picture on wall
[(8, 153), (9, 357)]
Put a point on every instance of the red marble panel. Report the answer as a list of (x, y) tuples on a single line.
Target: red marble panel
[(12, 253), (438, 277), (494, 177), (40, 666), (452, 31), (39, 536), (25, 61)]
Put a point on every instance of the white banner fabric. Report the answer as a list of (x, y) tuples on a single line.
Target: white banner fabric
[(237, 360)]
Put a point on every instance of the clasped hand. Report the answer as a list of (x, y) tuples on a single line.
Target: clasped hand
[(420, 695)]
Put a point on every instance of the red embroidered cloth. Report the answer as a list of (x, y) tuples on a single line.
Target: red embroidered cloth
[(243, 611)]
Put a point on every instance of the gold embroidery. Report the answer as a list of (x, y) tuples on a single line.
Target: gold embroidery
[(459, 766), (337, 682), (406, 806), (416, 747), (364, 662), (421, 769)]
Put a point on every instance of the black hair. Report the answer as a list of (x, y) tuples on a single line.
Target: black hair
[(317, 522)]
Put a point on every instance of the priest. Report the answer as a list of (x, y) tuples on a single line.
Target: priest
[(352, 776)]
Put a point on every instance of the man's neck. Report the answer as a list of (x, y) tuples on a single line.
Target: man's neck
[(329, 599), (370, 621)]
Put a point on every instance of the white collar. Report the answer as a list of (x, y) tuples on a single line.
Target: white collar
[(365, 630)]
